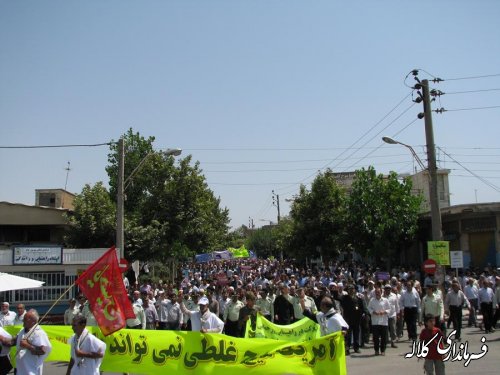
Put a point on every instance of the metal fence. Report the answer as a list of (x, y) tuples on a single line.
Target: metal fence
[(56, 283)]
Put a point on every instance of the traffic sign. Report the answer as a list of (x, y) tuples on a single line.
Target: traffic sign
[(123, 264), (457, 259), (429, 266)]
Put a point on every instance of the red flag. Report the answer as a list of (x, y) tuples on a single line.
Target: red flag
[(103, 286)]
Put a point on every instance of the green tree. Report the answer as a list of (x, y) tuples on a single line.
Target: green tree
[(238, 236), (169, 209), (319, 218), (262, 241), (93, 219), (383, 214)]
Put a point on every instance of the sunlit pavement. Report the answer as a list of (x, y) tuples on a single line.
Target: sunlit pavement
[(366, 362)]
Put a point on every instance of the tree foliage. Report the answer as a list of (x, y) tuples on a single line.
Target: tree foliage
[(93, 219), (318, 218), (262, 241), (169, 210), (382, 214)]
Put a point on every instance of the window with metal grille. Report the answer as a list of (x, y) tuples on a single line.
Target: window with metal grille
[(56, 283)]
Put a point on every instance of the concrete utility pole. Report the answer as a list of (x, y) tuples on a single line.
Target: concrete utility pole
[(119, 199), (431, 164), (276, 202)]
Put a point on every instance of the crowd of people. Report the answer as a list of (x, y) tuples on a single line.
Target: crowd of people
[(221, 296), (363, 302)]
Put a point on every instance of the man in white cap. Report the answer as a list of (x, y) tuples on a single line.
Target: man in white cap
[(204, 320)]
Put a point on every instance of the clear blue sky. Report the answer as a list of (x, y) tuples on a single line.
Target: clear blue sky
[(263, 93)]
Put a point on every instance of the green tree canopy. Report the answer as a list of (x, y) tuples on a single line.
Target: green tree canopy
[(93, 219), (383, 214), (169, 209), (318, 218)]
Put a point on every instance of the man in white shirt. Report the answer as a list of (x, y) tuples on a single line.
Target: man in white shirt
[(139, 322), (410, 303), (472, 293), (394, 302), (70, 312), (33, 346), (453, 302), (5, 365), (297, 305), (21, 311), (264, 305), (486, 297), (329, 320), (6, 316), (169, 312), (379, 308), (203, 320), (87, 350)]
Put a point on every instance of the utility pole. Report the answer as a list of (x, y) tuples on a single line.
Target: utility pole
[(120, 241), (276, 202), (431, 157)]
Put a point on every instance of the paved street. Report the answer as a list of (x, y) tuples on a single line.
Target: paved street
[(395, 361)]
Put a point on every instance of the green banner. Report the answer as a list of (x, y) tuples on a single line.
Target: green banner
[(302, 330), (439, 251), (148, 352), (240, 252)]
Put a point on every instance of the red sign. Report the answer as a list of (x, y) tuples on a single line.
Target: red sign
[(123, 264), (222, 279), (429, 266)]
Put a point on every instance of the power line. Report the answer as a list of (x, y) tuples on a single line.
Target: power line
[(476, 170), (493, 186), (259, 149), (468, 91), (378, 134), (287, 161), (351, 147), (58, 146), (469, 176), (283, 170), (442, 110), (472, 77)]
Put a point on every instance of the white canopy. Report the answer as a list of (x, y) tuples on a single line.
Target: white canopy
[(12, 282)]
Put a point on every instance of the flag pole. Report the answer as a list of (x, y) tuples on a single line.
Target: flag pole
[(49, 310)]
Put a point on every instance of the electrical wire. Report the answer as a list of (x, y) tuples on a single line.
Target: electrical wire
[(472, 77), (280, 170), (378, 134), (442, 110), (59, 146), (469, 176), (286, 161), (366, 133), (493, 186), (469, 91)]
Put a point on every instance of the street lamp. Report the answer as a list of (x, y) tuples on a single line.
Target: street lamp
[(123, 184), (433, 191), (394, 142), (167, 152)]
